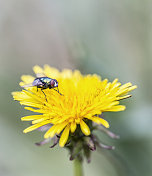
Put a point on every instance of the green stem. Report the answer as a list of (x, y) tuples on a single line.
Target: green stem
[(78, 171)]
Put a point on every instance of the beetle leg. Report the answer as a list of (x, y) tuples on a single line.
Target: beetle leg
[(44, 94)]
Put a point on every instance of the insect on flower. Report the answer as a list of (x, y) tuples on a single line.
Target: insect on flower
[(44, 83), (72, 117)]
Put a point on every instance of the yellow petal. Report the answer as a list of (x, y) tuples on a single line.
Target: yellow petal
[(100, 121), (38, 120), (132, 88), (36, 110), (19, 96), (27, 79), (64, 136), (126, 85), (73, 127), (33, 127), (124, 97), (34, 96), (38, 71), (51, 132), (117, 108), (51, 72), (32, 117), (60, 127), (28, 103), (66, 73), (84, 128), (115, 81)]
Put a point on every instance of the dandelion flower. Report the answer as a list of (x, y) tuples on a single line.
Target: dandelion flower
[(85, 98)]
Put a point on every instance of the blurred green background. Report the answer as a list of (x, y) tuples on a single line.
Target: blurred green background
[(110, 38)]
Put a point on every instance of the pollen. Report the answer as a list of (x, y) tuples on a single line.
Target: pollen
[(84, 98)]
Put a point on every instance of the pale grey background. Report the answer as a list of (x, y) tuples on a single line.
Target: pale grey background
[(111, 38)]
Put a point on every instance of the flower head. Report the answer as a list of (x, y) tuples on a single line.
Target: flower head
[(84, 99)]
